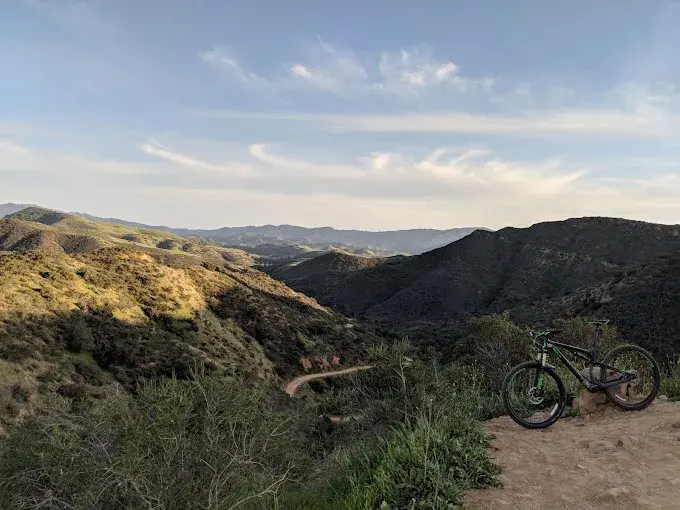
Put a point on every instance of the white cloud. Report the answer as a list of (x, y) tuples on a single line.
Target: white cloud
[(223, 60), (404, 73), (154, 148), (410, 71), (301, 71), (445, 173), (298, 167)]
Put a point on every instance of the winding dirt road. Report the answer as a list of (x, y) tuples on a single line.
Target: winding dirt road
[(613, 460), (292, 386)]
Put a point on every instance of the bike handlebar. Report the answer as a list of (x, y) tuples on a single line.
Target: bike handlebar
[(545, 332)]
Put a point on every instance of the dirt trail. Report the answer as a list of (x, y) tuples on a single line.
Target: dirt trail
[(613, 460), (292, 386)]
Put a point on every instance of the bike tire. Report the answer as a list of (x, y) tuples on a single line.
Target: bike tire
[(560, 386), (611, 392)]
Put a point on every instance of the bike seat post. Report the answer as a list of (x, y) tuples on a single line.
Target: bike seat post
[(599, 332)]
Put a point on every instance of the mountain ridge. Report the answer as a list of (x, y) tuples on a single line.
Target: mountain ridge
[(409, 241), (513, 269)]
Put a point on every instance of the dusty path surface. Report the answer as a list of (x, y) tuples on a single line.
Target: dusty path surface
[(617, 460), (292, 386)]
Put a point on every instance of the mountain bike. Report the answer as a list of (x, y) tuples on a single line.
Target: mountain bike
[(535, 397)]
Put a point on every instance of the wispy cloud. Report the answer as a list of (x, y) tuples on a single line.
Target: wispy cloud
[(8, 146), (550, 122), (224, 61), (404, 73), (442, 188), (443, 173), (619, 123), (154, 148)]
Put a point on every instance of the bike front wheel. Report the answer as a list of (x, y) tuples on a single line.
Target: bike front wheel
[(534, 395)]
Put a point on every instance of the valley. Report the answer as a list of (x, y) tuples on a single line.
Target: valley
[(85, 305), (102, 322)]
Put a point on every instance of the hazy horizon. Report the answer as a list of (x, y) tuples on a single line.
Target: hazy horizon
[(204, 114), (310, 226)]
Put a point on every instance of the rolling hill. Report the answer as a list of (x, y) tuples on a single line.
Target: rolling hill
[(83, 308), (7, 209), (623, 269), (35, 227)]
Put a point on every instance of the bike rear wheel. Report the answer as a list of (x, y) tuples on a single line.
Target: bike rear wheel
[(534, 395), (640, 392)]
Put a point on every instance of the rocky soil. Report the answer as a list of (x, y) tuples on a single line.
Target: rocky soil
[(608, 459)]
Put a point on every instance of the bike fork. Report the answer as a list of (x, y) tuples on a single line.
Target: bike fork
[(540, 378)]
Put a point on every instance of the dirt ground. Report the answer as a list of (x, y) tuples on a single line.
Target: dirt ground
[(611, 459)]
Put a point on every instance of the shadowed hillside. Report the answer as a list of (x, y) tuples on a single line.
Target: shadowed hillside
[(559, 267), (323, 269)]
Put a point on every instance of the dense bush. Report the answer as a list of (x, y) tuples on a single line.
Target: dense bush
[(415, 441), (211, 442), (205, 443), (496, 344), (670, 385)]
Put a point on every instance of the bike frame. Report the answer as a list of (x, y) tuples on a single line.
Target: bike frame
[(589, 355)]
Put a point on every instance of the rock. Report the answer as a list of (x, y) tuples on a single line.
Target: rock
[(588, 402), (662, 398), (624, 442), (601, 445), (613, 493)]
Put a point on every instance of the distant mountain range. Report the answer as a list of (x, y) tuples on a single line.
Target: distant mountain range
[(628, 271), (411, 242), (7, 209)]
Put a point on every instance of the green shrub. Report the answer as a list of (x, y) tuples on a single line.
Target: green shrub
[(212, 442), (670, 384), (496, 344), (416, 441), (206, 443), (428, 463)]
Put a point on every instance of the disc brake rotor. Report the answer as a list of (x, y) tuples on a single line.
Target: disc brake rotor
[(535, 396)]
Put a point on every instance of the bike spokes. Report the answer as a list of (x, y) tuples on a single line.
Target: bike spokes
[(638, 369), (533, 395)]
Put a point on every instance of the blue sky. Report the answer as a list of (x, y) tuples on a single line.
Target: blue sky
[(371, 115)]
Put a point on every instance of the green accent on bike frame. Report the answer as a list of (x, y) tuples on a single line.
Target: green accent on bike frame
[(541, 379)]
